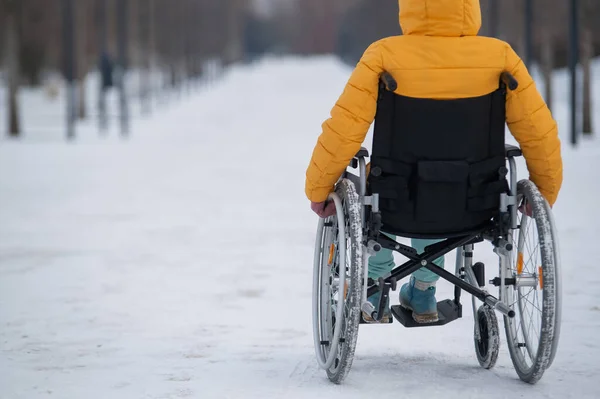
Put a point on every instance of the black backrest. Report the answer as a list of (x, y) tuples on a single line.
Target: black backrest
[(438, 165)]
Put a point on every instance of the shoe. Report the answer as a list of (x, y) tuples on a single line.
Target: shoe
[(419, 297), (387, 315)]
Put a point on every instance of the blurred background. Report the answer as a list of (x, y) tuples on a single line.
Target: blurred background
[(155, 239), (151, 48)]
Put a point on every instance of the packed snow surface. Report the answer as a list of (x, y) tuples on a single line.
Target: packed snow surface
[(178, 262)]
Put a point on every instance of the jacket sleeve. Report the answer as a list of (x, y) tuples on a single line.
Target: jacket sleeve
[(532, 125), (344, 132)]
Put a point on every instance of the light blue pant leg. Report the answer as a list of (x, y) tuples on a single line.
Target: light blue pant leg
[(383, 262), (380, 264)]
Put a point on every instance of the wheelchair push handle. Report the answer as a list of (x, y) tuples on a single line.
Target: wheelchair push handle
[(506, 77), (389, 81), (509, 80)]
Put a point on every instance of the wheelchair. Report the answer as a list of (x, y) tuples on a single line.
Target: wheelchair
[(411, 191)]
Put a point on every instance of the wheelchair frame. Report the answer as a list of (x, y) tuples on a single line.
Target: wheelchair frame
[(468, 276), (500, 236)]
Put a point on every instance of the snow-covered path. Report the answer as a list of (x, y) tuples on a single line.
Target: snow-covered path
[(178, 264)]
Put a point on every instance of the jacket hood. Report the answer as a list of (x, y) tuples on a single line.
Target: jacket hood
[(448, 18)]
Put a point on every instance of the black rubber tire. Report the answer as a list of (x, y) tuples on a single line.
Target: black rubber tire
[(352, 213), (488, 346), (550, 318)]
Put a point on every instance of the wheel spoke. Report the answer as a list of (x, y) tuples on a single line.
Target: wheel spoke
[(526, 332), (526, 298)]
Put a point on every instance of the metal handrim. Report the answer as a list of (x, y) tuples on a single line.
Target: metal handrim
[(326, 360)]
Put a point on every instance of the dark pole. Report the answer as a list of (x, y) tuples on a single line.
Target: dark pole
[(103, 64), (573, 61), (143, 16), (151, 46), (494, 17), (528, 33), (123, 48), (11, 51), (69, 64)]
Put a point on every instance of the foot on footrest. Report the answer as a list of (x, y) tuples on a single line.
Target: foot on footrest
[(366, 319), (448, 311)]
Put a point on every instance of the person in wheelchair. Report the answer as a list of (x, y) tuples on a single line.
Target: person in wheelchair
[(441, 57)]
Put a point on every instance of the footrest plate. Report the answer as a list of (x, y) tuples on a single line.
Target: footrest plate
[(448, 311)]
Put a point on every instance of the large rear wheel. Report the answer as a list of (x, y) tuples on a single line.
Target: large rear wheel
[(337, 284), (533, 291)]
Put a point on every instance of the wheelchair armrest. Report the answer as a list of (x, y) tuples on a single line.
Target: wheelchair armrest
[(363, 152), (512, 151)]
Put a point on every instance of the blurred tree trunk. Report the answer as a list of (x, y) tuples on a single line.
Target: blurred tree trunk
[(591, 38), (233, 49), (12, 65), (145, 15), (587, 53), (151, 35), (174, 45), (188, 22), (104, 67), (143, 50), (81, 23), (547, 66)]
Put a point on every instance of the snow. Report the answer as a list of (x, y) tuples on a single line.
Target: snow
[(178, 263)]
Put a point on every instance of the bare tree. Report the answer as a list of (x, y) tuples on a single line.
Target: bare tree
[(11, 33), (233, 50), (587, 53), (587, 50), (145, 25), (81, 36), (546, 41), (547, 66)]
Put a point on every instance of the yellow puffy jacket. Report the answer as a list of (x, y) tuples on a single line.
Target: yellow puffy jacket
[(439, 56)]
